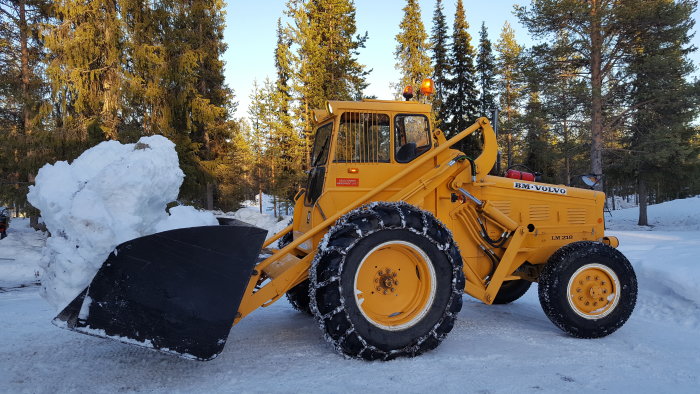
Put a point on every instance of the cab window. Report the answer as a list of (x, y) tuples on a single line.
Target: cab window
[(412, 137), (363, 138), (319, 154)]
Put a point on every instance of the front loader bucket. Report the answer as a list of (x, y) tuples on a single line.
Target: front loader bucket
[(176, 291)]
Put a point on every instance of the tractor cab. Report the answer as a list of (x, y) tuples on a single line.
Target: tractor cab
[(357, 146)]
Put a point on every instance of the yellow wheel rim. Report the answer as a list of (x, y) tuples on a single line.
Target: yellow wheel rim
[(395, 285), (594, 291)]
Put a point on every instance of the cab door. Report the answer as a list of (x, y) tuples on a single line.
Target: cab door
[(317, 175), (361, 158)]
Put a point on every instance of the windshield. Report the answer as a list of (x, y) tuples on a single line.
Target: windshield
[(412, 137), (319, 155), (363, 138)]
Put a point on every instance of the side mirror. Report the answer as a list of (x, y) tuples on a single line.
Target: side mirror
[(591, 180)]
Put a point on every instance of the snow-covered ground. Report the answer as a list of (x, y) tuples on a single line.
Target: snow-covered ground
[(268, 207), (250, 213), (622, 202), (20, 253), (492, 349), (677, 215), (253, 216)]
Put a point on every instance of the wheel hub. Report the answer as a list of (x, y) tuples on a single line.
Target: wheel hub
[(593, 291), (395, 285), (386, 281)]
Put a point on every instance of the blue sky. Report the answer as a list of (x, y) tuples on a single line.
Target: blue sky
[(251, 37)]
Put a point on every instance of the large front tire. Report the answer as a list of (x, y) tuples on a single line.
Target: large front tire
[(511, 290), (298, 297), (386, 282), (588, 289)]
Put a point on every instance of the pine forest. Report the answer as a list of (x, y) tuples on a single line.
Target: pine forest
[(605, 88)]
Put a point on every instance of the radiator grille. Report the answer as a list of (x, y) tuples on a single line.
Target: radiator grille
[(539, 212), (577, 215)]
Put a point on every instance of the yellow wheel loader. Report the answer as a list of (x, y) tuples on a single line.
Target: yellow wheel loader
[(394, 225)]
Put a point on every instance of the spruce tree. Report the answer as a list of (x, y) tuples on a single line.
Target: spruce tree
[(283, 66), (486, 70), (25, 137), (441, 61), (245, 155), (197, 100), (510, 87), (87, 57), (261, 113), (21, 57), (121, 69), (596, 29), (324, 35), (333, 71), (145, 110), (411, 54), (538, 147), (462, 100), (288, 142), (665, 103), (565, 97), (233, 159)]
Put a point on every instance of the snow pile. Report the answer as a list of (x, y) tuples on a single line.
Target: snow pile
[(668, 272), (676, 215), (252, 215), (183, 216), (112, 193), (20, 253)]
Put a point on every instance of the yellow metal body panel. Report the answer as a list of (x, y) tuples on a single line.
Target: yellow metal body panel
[(536, 218)]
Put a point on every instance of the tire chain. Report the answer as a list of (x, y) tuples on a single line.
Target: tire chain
[(342, 237)]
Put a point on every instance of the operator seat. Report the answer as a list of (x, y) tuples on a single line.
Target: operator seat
[(406, 153)]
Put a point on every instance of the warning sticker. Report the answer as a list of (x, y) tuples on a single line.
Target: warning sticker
[(347, 181), (539, 188)]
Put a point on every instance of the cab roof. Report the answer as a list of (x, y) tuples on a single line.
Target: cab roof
[(321, 115)]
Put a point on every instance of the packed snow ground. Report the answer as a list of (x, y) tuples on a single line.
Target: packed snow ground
[(492, 349)]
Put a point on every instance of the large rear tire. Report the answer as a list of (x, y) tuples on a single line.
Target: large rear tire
[(298, 297), (588, 289), (386, 282)]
